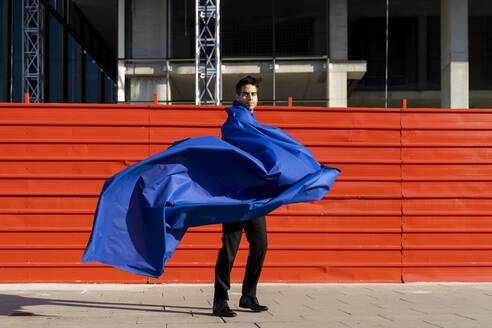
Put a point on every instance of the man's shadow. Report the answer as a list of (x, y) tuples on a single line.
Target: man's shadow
[(13, 305)]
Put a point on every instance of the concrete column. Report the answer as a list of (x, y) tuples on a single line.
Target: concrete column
[(121, 51), (336, 82), (454, 54)]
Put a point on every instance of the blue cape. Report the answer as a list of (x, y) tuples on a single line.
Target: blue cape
[(144, 211)]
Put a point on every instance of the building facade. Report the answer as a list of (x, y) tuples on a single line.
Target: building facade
[(323, 52), (72, 62)]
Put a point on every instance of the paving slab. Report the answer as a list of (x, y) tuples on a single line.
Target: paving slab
[(441, 305)]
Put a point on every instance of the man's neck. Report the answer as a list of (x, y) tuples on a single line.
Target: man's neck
[(237, 103)]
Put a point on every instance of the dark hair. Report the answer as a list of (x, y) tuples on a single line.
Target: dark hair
[(244, 81)]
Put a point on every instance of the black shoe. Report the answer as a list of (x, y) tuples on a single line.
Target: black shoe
[(222, 309), (250, 302)]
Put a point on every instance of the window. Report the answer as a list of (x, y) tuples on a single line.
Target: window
[(17, 87), (53, 81), (2, 45), (368, 42), (434, 52), (480, 52), (109, 90), (301, 30), (258, 28), (183, 28), (92, 83), (72, 70), (57, 5), (247, 28)]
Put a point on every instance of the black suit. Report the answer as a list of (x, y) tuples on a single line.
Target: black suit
[(257, 237)]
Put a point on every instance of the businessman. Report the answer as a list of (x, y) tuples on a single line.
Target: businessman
[(246, 98)]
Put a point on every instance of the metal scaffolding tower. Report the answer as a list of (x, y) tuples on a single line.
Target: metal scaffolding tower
[(207, 52), (32, 61)]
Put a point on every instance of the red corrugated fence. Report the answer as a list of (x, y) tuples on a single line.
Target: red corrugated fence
[(412, 203)]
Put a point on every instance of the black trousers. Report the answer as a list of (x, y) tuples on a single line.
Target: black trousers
[(257, 237)]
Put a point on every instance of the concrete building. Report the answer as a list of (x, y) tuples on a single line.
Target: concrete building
[(320, 52)]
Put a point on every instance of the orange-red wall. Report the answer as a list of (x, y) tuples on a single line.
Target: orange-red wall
[(413, 202)]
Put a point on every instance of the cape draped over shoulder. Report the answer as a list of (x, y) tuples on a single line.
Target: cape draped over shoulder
[(144, 211)]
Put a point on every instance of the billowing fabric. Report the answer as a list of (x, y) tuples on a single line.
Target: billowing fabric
[(144, 210)]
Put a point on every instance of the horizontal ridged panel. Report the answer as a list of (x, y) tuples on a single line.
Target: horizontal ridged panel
[(87, 204), (44, 221), (428, 119), (125, 153), (48, 204), (448, 189), (447, 207), (208, 257), (448, 223), (412, 202), (463, 273), (448, 138), (55, 159), (369, 172), (15, 169), (91, 187), (288, 240), (302, 274), (447, 186), (442, 172), (446, 155), (440, 240), (357, 155)]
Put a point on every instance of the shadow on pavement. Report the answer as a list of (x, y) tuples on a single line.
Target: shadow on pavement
[(12, 305)]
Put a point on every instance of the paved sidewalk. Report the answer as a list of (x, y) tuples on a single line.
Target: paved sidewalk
[(291, 305)]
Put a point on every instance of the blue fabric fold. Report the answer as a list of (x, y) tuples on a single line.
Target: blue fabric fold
[(144, 211)]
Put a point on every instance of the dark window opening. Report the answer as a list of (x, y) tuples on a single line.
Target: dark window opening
[(262, 28), (72, 70), (182, 28), (480, 52), (17, 82), (434, 53), (92, 81), (53, 60), (367, 41), (2, 45)]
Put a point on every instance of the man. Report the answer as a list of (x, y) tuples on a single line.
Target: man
[(246, 97)]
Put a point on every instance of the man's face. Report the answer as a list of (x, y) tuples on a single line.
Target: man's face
[(248, 97)]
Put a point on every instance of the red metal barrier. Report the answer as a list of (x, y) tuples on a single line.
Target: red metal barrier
[(447, 191), (412, 202)]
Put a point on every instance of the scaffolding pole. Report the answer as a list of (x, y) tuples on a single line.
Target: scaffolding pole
[(32, 61), (207, 52)]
